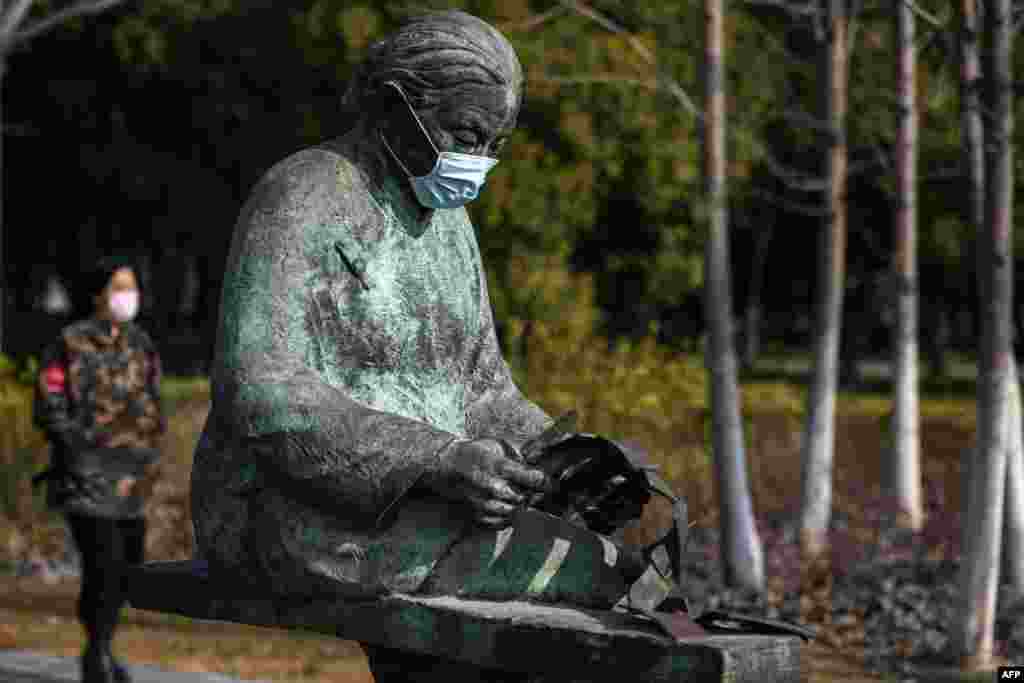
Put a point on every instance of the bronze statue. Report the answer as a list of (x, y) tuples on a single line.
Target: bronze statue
[(365, 430)]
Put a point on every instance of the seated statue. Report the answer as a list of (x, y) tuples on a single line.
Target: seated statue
[(365, 430)]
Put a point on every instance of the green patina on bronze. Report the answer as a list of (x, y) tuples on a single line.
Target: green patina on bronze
[(510, 574), (356, 344)]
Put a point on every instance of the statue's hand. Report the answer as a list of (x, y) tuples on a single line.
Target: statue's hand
[(480, 474)]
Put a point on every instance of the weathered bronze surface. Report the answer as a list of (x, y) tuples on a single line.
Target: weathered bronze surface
[(360, 471), (527, 641), (357, 374)]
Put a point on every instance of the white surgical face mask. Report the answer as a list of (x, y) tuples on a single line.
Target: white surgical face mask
[(454, 181), (124, 305)]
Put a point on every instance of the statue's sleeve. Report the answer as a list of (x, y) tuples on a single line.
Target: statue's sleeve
[(307, 435), (496, 408)]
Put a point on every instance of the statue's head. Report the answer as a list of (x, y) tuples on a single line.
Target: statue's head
[(443, 83)]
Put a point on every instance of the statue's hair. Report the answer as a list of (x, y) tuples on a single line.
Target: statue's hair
[(431, 55)]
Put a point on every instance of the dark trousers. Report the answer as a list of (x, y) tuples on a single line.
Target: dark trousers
[(107, 547)]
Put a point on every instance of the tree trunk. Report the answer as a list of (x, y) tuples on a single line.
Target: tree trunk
[(1013, 504), (972, 130), (982, 528), (818, 443), (972, 133), (3, 254), (743, 564), (904, 468)]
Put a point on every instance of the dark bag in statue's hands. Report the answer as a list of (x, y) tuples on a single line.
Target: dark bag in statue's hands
[(594, 481), (604, 484)]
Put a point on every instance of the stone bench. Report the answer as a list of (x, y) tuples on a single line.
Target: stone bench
[(510, 636)]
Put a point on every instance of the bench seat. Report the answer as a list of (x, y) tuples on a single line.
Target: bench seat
[(510, 636)]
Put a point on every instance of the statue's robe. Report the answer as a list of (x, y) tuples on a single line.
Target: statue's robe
[(355, 344)]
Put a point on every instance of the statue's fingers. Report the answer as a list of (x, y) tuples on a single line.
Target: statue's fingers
[(498, 507), (499, 489), (526, 477), (494, 521), (485, 505)]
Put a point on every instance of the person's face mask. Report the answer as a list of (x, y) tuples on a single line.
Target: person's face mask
[(124, 304), (454, 181)]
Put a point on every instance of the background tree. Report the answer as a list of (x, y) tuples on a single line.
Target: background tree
[(972, 136), (742, 553), (972, 130), (169, 114), (982, 530), (904, 463), (819, 436)]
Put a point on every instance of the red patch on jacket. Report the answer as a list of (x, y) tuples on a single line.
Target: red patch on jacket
[(54, 379)]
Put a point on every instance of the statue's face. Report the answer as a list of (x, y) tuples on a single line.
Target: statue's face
[(477, 120)]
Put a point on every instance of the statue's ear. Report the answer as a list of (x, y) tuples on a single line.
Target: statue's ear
[(404, 132), (385, 98), (391, 95)]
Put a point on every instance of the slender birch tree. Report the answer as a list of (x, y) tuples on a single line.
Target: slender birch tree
[(744, 562), (819, 434), (972, 133), (903, 469), (983, 525), (972, 142), (972, 130)]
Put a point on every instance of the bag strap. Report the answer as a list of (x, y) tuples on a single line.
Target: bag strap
[(676, 540)]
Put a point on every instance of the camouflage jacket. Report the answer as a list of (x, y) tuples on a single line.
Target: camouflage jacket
[(97, 398)]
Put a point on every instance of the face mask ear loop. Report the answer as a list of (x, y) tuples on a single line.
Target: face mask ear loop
[(394, 156), (416, 118)]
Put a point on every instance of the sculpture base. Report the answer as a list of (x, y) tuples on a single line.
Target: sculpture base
[(538, 640)]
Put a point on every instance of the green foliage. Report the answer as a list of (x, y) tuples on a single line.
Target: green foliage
[(23, 454), (144, 38), (7, 365), (603, 175), (23, 372), (29, 371), (630, 389)]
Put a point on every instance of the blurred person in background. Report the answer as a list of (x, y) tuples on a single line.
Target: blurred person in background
[(97, 399)]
